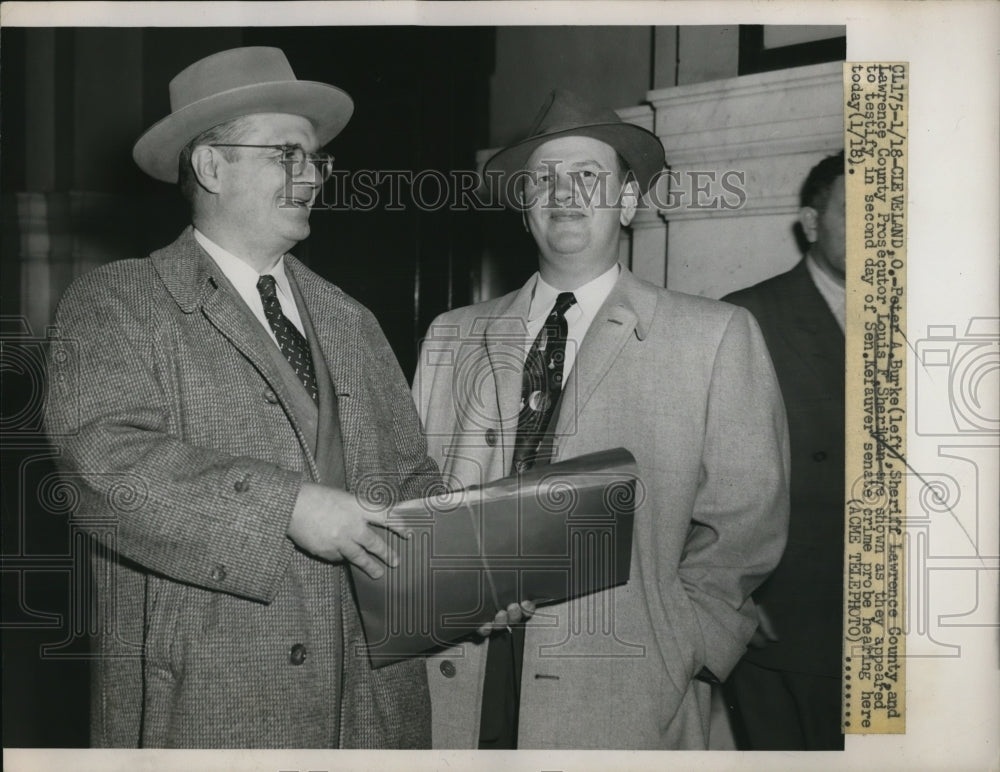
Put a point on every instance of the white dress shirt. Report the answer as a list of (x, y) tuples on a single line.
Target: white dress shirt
[(833, 293), (244, 279), (589, 298)]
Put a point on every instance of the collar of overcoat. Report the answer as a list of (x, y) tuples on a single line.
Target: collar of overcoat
[(626, 314), (190, 276)]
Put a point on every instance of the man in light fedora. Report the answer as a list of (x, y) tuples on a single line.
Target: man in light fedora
[(227, 400), (607, 360)]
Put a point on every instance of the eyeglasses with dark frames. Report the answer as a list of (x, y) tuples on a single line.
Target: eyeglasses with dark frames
[(295, 159)]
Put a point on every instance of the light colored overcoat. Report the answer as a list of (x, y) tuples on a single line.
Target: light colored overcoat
[(186, 445), (686, 385)]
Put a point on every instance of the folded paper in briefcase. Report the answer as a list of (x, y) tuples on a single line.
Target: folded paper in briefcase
[(556, 532)]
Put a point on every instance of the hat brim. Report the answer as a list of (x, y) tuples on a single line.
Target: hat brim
[(641, 149), (325, 106)]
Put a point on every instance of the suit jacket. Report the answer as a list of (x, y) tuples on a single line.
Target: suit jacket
[(803, 598), (686, 385), (186, 443)]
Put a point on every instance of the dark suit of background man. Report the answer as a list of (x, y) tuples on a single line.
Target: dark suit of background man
[(683, 382), (217, 401), (786, 690)]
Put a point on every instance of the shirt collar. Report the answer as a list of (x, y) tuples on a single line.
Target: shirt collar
[(589, 297), (239, 272)]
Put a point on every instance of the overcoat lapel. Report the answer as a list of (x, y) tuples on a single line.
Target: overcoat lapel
[(339, 338), (330, 442), (194, 280), (626, 312), (506, 342)]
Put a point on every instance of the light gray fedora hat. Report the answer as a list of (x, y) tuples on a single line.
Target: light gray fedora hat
[(230, 84)]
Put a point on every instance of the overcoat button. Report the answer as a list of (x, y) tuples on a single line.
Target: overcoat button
[(242, 485), (448, 669), (819, 455), (219, 573), (491, 437), (270, 396), (297, 655)]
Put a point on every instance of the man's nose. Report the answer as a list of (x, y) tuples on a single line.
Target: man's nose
[(306, 173), (305, 180), (563, 191)]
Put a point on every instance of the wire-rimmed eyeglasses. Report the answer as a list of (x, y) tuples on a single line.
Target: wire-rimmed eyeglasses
[(295, 159)]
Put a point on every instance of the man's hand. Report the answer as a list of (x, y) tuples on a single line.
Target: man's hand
[(513, 614), (331, 524)]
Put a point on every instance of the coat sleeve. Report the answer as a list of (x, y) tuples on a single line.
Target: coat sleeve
[(740, 518), (190, 513)]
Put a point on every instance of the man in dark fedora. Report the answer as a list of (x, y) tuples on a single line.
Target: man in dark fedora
[(585, 357), (232, 408)]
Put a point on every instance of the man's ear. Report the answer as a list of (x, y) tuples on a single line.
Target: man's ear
[(522, 200), (204, 162), (630, 202), (809, 220)]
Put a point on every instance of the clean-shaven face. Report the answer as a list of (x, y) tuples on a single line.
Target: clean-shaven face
[(574, 189), (260, 205)]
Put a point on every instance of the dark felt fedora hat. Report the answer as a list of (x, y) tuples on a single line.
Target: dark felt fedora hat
[(565, 114), (230, 84)]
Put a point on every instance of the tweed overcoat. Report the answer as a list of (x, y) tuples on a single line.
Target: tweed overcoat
[(804, 595), (179, 436), (686, 385)]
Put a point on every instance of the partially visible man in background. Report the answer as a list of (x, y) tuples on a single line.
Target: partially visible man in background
[(224, 402), (786, 690)]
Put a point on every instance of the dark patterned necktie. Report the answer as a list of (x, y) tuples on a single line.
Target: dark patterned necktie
[(291, 342), (541, 384)]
